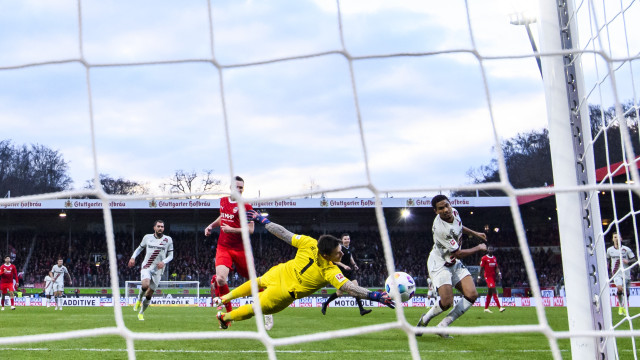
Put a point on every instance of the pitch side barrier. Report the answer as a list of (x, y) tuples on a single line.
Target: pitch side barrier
[(317, 301)]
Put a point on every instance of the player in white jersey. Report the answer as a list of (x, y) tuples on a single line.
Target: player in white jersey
[(48, 289), (620, 257), (57, 273), (444, 265), (159, 251)]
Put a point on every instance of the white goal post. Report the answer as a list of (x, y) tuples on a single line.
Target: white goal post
[(169, 293)]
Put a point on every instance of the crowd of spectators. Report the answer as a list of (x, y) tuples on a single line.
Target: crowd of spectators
[(85, 255)]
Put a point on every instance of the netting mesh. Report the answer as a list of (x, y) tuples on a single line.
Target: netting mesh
[(610, 46)]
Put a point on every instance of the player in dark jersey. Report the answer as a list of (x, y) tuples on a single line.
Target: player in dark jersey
[(348, 266)]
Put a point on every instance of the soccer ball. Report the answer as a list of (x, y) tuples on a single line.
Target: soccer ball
[(406, 286)]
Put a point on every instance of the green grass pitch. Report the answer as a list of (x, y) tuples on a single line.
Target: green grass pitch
[(390, 344)]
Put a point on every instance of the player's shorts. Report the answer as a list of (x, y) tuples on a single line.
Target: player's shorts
[(491, 282), (154, 277), (275, 297), (49, 290), (447, 275), (7, 288), (349, 274), (430, 293), (227, 257), (619, 280), (57, 286)]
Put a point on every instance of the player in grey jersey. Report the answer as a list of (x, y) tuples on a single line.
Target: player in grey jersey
[(159, 251), (444, 265), (620, 258), (57, 273)]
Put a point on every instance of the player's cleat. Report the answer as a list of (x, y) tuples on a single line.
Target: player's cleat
[(503, 309), (140, 316), (622, 311), (3, 308), (223, 324), (364, 312), (13, 308), (424, 320), (268, 322), (443, 335), (488, 311), (136, 306), (324, 308)]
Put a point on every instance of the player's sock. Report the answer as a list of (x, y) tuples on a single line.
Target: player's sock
[(497, 299), (145, 305), (13, 301), (244, 312), (3, 300), (434, 311), (330, 299), (461, 307), (224, 290), (141, 295), (487, 302)]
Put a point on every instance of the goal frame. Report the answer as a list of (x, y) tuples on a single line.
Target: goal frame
[(579, 222)]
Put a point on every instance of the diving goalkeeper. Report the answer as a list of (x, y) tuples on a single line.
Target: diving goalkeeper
[(312, 268)]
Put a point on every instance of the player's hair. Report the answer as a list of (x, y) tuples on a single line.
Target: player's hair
[(60, 258), (238, 178), (7, 257), (326, 244), (343, 235), (436, 199), (158, 221)]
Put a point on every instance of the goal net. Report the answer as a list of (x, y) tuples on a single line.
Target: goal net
[(168, 293), (344, 97)]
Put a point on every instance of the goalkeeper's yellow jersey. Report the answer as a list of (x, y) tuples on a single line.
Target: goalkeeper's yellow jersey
[(308, 271)]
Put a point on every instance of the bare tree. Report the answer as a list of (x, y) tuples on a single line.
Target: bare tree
[(30, 170), (119, 186), (190, 182)]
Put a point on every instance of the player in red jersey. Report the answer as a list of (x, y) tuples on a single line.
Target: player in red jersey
[(8, 277), (489, 266), (230, 249)]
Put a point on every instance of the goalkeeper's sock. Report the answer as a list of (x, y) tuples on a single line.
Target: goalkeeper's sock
[(241, 291), (244, 312), (145, 305), (461, 307)]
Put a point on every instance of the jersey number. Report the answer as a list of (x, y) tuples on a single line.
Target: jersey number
[(306, 266)]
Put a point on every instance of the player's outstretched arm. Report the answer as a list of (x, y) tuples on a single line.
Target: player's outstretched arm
[(470, 232), (358, 291), (277, 230)]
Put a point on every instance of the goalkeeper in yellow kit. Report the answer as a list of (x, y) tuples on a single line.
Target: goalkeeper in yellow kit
[(311, 269)]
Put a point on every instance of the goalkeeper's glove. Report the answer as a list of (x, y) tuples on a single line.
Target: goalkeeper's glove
[(382, 297), (253, 215)]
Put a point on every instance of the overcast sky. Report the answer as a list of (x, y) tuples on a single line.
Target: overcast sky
[(425, 119)]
